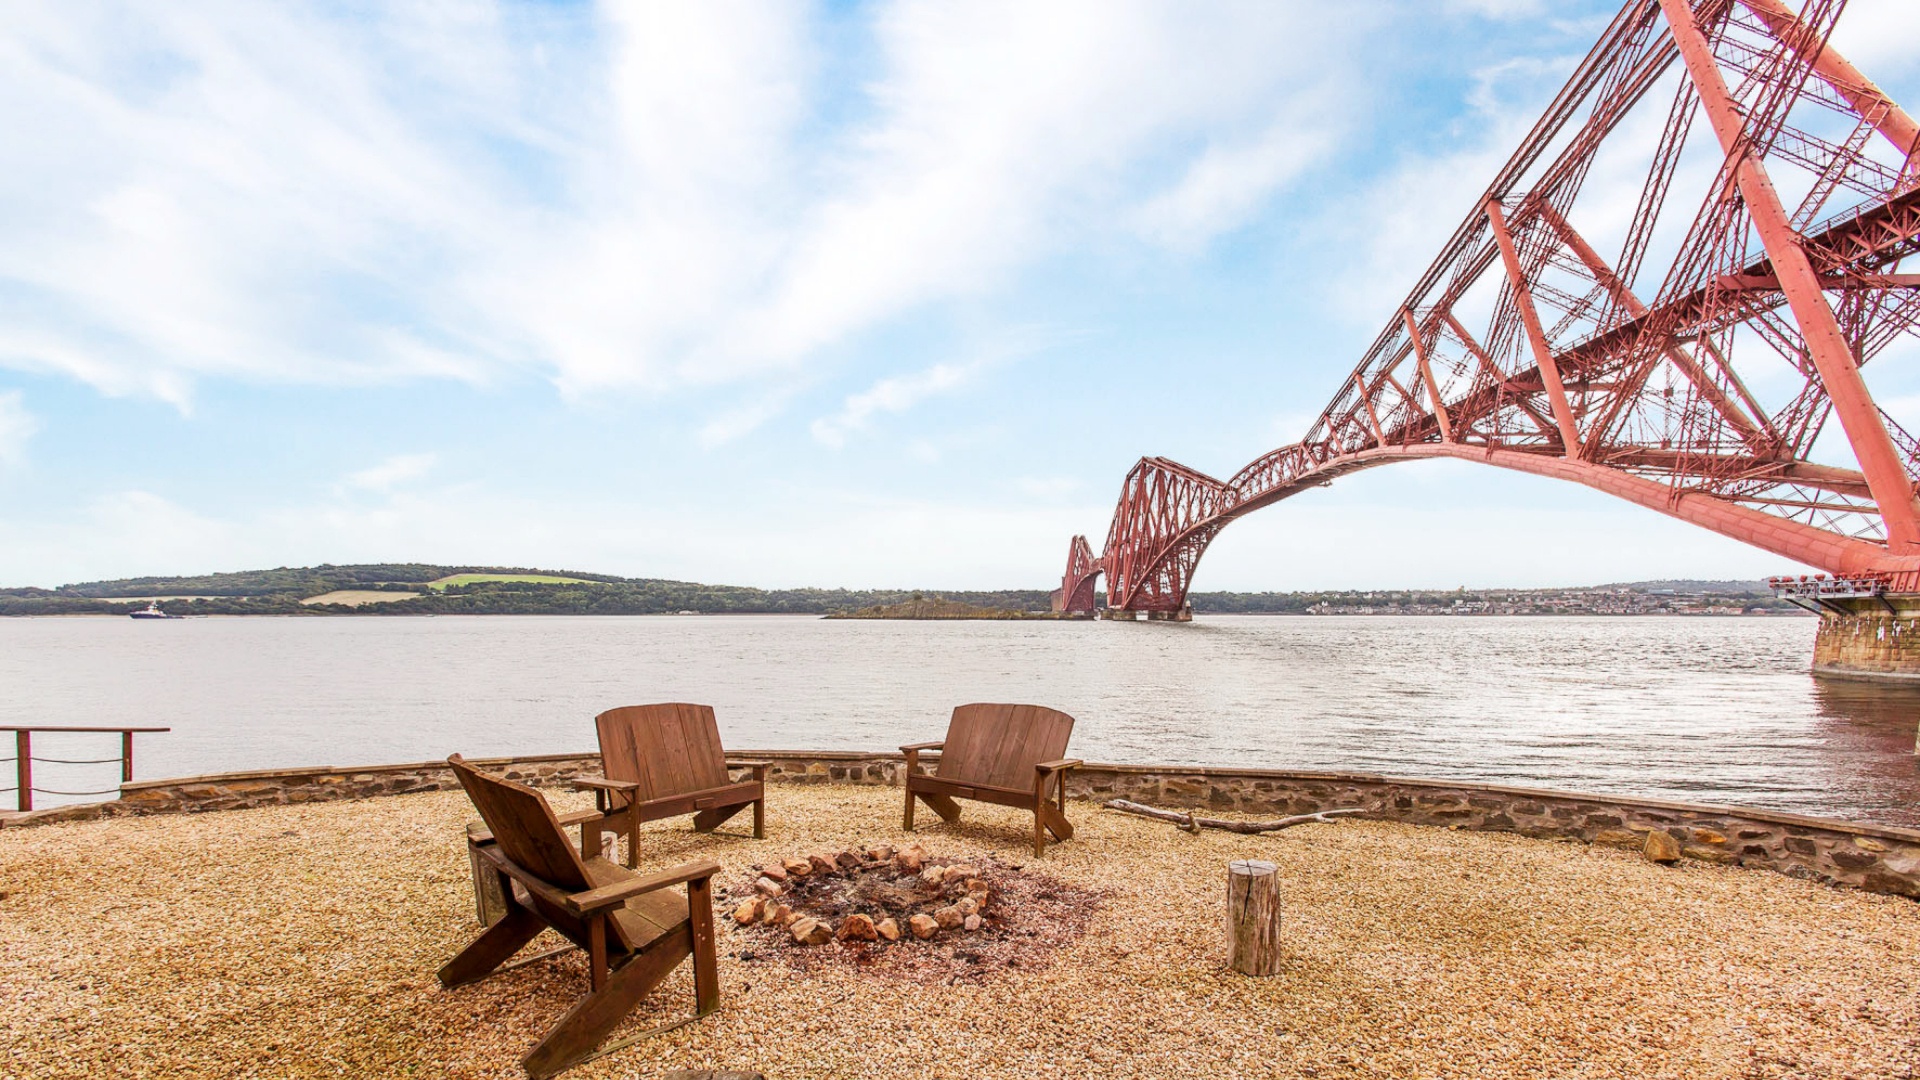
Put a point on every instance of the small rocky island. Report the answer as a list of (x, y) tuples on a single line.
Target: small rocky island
[(935, 607)]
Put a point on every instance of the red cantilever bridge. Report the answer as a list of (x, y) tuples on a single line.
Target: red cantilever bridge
[(1692, 370)]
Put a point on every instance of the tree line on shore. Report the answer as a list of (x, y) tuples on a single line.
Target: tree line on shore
[(280, 591)]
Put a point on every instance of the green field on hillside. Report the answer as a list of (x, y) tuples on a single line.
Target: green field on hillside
[(536, 579)]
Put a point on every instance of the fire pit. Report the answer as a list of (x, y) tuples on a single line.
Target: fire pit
[(907, 912)]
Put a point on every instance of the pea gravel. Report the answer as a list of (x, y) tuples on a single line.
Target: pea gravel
[(301, 941)]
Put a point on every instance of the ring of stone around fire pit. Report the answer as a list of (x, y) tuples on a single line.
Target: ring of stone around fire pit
[(877, 895)]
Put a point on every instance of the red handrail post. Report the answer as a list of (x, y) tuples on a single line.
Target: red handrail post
[(126, 757)]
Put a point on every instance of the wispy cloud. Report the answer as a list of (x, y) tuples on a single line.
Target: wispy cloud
[(607, 199), (392, 473), (893, 394), (739, 420), (1229, 180), (1493, 9), (17, 425), (1881, 38), (1391, 228)]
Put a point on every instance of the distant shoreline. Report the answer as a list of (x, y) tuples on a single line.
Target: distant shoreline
[(1017, 617), (413, 589)]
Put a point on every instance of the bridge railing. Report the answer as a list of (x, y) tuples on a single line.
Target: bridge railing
[(23, 760)]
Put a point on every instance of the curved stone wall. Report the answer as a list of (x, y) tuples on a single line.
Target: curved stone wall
[(1871, 857)]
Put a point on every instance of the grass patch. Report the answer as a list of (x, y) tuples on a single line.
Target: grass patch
[(538, 579)]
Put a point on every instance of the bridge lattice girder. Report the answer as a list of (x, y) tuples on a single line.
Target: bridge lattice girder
[(1693, 370)]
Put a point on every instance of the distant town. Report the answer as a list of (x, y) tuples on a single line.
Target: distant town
[(426, 589), (1636, 598)]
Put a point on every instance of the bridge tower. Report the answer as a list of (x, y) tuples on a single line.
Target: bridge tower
[(1075, 594)]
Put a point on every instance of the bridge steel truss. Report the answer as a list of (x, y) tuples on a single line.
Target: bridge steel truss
[(1691, 373)]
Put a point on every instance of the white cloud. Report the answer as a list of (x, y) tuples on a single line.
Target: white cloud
[(1882, 39), (17, 425), (1005, 129), (893, 394), (1392, 228), (1494, 9), (392, 473), (125, 533), (732, 423), (1230, 180), (215, 191), (640, 197)]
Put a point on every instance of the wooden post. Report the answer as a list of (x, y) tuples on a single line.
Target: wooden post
[(1253, 917), (126, 757), (23, 751)]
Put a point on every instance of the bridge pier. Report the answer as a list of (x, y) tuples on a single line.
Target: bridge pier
[(1876, 639), (1183, 614), (1866, 630), (1870, 638)]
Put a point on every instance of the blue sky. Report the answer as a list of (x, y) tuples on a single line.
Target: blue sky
[(882, 294)]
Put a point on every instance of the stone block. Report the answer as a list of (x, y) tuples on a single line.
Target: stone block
[(1852, 860), (1884, 881)]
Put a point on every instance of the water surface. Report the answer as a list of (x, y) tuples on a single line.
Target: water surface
[(1703, 709)]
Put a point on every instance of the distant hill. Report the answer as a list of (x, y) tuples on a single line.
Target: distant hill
[(427, 589), (1689, 585), (460, 590)]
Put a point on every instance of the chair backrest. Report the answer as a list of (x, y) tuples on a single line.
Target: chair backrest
[(667, 749), (527, 833), (524, 826), (998, 745)]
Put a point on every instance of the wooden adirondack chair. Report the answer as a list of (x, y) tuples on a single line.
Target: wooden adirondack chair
[(635, 928), (1004, 754), (661, 761)]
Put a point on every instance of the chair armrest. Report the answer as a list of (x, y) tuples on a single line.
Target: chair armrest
[(601, 783), (758, 769), (919, 746), (611, 896), (1044, 773)]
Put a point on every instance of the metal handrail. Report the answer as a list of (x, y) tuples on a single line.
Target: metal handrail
[(23, 759)]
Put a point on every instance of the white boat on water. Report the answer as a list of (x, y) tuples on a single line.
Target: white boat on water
[(151, 611)]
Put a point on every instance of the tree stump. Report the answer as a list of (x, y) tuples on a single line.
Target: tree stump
[(1253, 917)]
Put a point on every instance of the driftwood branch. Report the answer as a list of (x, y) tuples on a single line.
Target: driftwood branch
[(1193, 823)]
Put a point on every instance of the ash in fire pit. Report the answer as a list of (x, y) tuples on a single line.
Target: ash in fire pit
[(909, 913)]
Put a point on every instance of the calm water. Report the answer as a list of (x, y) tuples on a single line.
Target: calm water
[(1706, 709)]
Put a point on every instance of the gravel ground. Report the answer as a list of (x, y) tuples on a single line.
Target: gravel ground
[(302, 941)]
